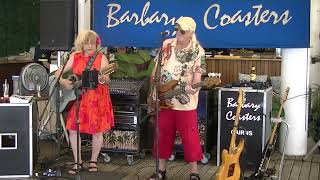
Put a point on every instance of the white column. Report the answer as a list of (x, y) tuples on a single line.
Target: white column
[(295, 74), (84, 14), (315, 41)]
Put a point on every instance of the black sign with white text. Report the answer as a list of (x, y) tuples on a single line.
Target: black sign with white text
[(251, 125)]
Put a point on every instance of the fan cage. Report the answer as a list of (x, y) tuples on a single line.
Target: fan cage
[(32, 75)]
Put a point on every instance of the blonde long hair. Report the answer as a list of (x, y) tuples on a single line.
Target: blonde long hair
[(85, 37), (195, 41)]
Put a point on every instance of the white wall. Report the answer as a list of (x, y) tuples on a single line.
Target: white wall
[(84, 14)]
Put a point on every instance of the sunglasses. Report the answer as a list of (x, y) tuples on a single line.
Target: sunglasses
[(178, 29)]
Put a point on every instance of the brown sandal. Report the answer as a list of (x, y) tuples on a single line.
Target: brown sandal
[(194, 176), (93, 168), (74, 171), (161, 175)]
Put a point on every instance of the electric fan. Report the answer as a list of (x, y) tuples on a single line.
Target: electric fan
[(33, 79)]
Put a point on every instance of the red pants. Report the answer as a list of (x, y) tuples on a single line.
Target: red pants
[(186, 122)]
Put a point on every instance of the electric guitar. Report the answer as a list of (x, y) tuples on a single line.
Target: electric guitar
[(69, 95), (168, 91), (230, 166), (262, 170)]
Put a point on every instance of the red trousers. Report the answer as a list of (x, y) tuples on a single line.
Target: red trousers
[(186, 122)]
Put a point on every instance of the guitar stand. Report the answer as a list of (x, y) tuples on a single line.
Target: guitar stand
[(59, 120), (270, 173), (312, 150), (274, 177), (46, 133)]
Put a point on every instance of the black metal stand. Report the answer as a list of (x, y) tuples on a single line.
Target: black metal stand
[(157, 84), (55, 92), (77, 177)]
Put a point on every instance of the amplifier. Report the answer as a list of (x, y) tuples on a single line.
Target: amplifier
[(126, 116), (18, 139)]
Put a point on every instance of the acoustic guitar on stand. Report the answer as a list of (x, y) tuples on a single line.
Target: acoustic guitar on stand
[(230, 166)]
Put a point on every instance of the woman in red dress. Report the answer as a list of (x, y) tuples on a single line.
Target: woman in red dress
[(95, 108)]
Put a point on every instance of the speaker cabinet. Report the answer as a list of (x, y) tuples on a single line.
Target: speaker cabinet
[(18, 139), (254, 123), (57, 24)]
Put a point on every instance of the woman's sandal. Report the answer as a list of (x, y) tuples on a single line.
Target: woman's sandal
[(194, 176), (74, 171), (161, 175), (93, 168)]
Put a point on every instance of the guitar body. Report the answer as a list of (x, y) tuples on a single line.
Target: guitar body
[(169, 90), (230, 166), (69, 95), (169, 86), (263, 168)]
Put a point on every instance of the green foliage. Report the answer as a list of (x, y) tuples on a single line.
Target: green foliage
[(314, 130), (276, 107), (137, 65), (19, 26)]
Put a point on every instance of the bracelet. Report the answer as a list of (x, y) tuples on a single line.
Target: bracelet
[(101, 82)]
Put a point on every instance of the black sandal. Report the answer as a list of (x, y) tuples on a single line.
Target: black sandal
[(161, 175), (93, 168), (194, 176), (74, 171)]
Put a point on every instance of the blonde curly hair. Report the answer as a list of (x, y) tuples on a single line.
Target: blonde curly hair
[(87, 36)]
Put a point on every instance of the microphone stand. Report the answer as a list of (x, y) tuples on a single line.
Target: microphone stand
[(76, 90), (57, 103), (157, 83)]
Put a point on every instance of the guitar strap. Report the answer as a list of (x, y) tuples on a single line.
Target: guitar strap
[(90, 62), (184, 68)]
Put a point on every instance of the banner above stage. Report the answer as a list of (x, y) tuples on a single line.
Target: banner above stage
[(220, 23)]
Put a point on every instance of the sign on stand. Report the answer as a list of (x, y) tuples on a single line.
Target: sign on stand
[(254, 123)]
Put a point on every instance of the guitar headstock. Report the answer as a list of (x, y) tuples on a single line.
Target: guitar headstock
[(110, 68), (213, 74), (212, 80)]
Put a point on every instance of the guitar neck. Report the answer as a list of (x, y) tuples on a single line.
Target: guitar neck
[(77, 84), (235, 128), (278, 117), (236, 121), (104, 71)]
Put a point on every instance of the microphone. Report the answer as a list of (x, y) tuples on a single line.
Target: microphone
[(166, 32)]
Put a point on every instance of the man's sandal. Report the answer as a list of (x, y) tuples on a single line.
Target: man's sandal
[(161, 175), (194, 176), (93, 168), (74, 170)]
